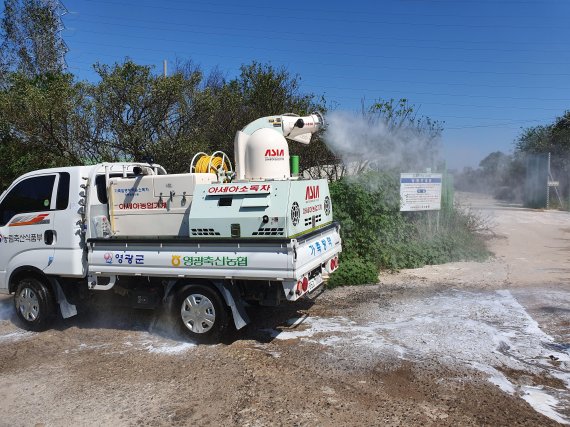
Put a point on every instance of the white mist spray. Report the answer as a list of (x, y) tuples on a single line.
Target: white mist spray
[(373, 142)]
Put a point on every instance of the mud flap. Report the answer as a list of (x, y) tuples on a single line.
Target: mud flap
[(233, 301), (67, 310)]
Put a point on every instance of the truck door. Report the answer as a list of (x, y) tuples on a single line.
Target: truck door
[(26, 225), (68, 257)]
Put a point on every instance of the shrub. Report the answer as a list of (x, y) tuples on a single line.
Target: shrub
[(354, 271), (376, 235)]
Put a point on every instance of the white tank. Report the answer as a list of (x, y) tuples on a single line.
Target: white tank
[(266, 156)]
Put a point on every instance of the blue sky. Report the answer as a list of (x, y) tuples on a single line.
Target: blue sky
[(486, 68)]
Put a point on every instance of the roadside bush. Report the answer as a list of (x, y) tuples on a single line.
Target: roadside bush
[(376, 235), (354, 271), (368, 211)]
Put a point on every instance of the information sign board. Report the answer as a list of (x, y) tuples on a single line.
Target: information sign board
[(420, 191)]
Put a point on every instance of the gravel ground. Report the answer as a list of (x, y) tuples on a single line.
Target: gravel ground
[(457, 344)]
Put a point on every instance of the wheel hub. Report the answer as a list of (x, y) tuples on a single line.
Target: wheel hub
[(28, 304), (198, 313)]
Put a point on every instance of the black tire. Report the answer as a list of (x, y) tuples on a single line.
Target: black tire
[(200, 313), (35, 304)]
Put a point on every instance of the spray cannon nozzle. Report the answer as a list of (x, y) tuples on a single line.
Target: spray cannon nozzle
[(319, 118), (316, 119), (300, 129)]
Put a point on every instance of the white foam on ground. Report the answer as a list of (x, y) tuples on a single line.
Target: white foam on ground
[(15, 336), (544, 403), (159, 345), (495, 377), (264, 349), (163, 348), (84, 346), (484, 331)]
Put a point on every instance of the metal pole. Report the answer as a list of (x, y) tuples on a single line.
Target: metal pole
[(548, 186), (164, 67)]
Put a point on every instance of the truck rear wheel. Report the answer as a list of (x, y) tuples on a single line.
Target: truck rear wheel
[(35, 304), (201, 313)]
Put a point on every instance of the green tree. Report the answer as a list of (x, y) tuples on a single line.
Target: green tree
[(493, 163), (260, 90), (37, 99), (142, 116), (31, 33), (553, 138), (39, 122), (133, 114), (536, 139), (499, 174), (494, 170), (15, 159)]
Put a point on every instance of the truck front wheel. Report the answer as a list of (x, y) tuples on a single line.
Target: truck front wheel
[(201, 313), (34, 303)]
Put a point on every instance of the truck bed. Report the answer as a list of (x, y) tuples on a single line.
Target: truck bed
[(248, 259)]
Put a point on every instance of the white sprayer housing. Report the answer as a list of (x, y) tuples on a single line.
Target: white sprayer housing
[(261, 149), (267, 156)]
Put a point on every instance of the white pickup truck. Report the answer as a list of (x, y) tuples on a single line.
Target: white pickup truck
[(192, 241)]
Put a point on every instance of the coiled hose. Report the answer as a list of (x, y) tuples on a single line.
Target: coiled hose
[(213, 162)]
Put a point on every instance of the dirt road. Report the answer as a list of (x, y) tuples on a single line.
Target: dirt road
[(458, 344)]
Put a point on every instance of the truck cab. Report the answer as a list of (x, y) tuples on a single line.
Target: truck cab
[(40, 226)]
